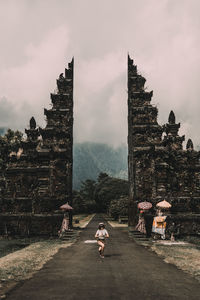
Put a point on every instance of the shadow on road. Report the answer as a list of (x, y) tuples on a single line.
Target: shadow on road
[(112, 255)]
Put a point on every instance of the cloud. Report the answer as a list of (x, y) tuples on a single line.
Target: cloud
[(29, 84), (100, 99), (9, 115), (38, 37)]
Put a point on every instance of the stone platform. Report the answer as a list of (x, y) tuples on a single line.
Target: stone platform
[(183, 224)]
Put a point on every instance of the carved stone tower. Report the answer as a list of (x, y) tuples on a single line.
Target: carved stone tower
[(57, 137), (38, 181), (159, 168), (144, 134)]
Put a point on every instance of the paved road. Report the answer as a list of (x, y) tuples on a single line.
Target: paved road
[(128, 271)]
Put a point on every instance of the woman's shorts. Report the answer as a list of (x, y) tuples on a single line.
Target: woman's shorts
[(100, 240)]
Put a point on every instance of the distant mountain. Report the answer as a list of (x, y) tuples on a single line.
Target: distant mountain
[(92, 158)]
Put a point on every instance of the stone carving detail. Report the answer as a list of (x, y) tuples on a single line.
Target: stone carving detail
[(38, 180), (159, 167), (32, 123), (189, 145), (172, 119)]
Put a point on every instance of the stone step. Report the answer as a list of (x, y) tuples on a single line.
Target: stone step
[(67, 239), (139, 235), (69, 235)]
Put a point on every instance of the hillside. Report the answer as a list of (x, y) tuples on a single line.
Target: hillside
[(92, 158)]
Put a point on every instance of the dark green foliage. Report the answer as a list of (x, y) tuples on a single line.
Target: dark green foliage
[(78, 203), (90, 206), (107, 189), (87, 189), (119, 207), (90, 159), (13, 139), (10, 142), (83, 200), (102, 176), (97, 196)]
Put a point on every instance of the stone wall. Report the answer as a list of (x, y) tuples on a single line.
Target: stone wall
[(183, 224), (30, 224)]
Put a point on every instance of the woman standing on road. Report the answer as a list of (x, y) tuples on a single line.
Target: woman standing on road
[(101, 234)]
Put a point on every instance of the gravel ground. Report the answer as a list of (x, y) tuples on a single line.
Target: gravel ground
[(11, 245), (22, 264), (185, 256)]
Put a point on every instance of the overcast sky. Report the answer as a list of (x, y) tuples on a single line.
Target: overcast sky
[(39, 38)]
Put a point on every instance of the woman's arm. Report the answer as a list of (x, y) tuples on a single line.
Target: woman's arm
[(107, 235), (97, 234)]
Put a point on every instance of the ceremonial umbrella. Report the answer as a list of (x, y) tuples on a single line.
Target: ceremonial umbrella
[(66, 207), (163, 204), (144, 205)]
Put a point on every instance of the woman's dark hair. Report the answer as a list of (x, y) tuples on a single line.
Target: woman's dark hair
[(101, 226)]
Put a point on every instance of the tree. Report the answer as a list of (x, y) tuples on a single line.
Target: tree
[(102, 176), (87, 193), (79, 205), (107, 189), (97, 196), (119, 207), (87, 189), (10, 142), (83, 201)]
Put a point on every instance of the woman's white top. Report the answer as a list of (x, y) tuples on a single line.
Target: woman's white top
[(101, 233)]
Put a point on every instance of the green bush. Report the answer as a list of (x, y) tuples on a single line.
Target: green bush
[(97, 196), (118, 207), (108, 189)]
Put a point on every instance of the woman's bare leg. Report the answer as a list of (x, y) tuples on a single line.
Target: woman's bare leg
[(102, 251), (101, 247)]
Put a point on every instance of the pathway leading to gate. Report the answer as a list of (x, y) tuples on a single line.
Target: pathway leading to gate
[(128, 271)]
